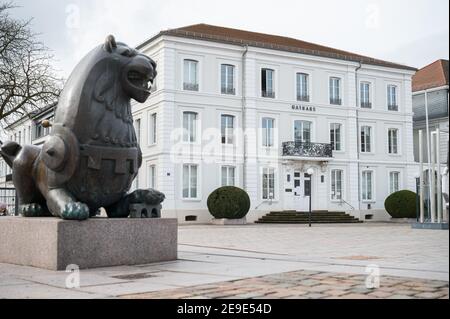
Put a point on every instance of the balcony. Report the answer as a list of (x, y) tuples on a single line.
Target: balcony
[(228, 90), (270, 94), (366, 105), (303, 98), (312, 150), (190, 86), (335, 101)]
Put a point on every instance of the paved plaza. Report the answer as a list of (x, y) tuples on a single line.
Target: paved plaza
[(265, 261)]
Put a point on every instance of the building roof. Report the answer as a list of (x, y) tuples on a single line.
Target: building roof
[(431, 76), (246, 38)]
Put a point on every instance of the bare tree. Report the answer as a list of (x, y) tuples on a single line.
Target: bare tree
[(27, 79)]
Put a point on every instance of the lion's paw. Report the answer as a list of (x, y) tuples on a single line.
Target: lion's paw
[(146, 196), (75, 211), (31, 210)]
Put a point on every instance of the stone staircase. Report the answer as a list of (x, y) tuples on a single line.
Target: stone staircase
[(317, 217)]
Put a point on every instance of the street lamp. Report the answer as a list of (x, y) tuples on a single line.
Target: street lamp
[(310, 172)]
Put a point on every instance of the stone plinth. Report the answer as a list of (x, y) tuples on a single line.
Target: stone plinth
[(53, 243)]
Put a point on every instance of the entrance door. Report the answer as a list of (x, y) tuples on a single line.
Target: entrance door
[(302, 190)]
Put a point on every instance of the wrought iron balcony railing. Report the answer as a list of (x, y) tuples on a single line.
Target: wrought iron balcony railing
[(228, 90), (270, 94), (302, 149), (366, 105), (303, 98), (335, 101), (190, 86), (393, 107)]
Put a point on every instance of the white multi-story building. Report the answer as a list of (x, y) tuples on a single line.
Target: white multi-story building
[(232, 107), (26, 130)]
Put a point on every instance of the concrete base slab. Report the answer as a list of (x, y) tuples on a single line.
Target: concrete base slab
[(53, 243), (224, 221), (436, 226)]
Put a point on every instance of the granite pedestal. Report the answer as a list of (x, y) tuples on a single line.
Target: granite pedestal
[(53, 243)]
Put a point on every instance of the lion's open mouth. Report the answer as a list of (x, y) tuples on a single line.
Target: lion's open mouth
[(139, 80)]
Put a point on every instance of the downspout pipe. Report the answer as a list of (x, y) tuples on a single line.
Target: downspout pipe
[(244, 101), (358, 134)]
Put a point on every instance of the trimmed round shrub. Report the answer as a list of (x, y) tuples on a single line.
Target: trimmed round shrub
[(229, 202), (401, 204)]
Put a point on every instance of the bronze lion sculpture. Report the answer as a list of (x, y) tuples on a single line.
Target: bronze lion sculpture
[(92, 155)]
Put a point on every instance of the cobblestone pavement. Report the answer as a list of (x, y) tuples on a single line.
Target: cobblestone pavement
[(308, 285)]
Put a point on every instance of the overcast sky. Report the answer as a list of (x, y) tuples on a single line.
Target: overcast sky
[(412, 32)]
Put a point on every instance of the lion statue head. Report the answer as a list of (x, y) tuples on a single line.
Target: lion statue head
[(95, 102)]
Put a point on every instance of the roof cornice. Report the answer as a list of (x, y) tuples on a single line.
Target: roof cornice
[(264, 45)]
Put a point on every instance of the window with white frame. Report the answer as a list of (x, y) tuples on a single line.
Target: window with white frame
[(268, 127), (267, 83), (335, 91), (135, 184), (392, 98), (302, 87), (137, 128), (152, 138), (268, 183), (367, 185), (336, 184), (366, 139), (302, 131), (228, 176), (190, 181), (190, 75), (393, 141), (335, 136), (394, 182), (365, 95), (154, 86), (227, 79), (190, 127), (151, 176), (227, 128)]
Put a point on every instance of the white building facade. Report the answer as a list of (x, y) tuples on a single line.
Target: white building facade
[(258, 118), (26, 130)]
